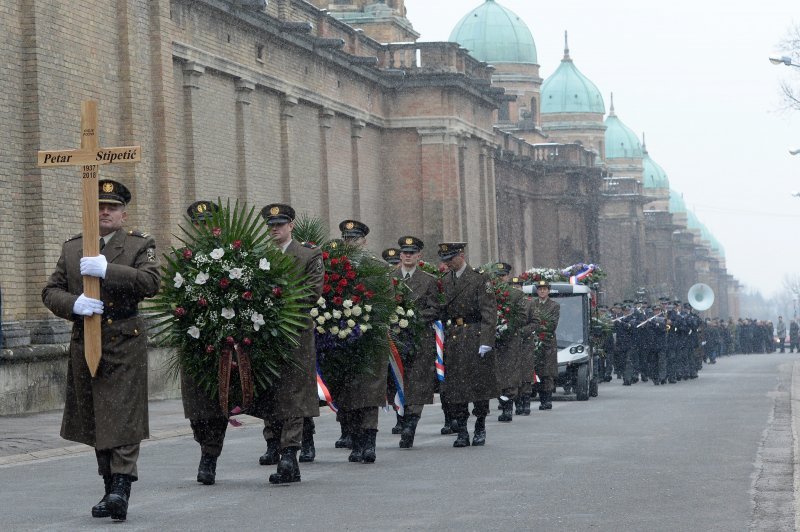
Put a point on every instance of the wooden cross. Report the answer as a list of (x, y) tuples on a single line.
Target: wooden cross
[(89, 157)]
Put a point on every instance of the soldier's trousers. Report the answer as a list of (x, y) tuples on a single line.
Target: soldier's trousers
[(657, 364), (619, 361), (358, 419), (460, 411), (510, 392), (209, 433), (289, 431), (546, 384), (794, 344), (412, 410), (631, 367), (525, 388), (118, 461)]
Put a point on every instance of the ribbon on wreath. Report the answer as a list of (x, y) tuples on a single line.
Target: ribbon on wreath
[(438, 328), (324, 394), (226, 365), (398, 374)]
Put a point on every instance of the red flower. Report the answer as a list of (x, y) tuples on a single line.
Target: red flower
[(508, 309), (343, 282), (505, 294), (398, 298), (237, 244), (334, 262), (360, 287), (355, 299), (339, 290), (369, 294), (247, 342), (187, 253), (442, 268), (247, 296), (541, 336), (395, 282), (348, 267), (325, 277), (180, 312), (230, 340), (499, 307), (421, 263), (338, 300), (350, 274), (224, 283), (440, 285), (216, 231), (202, 302), (277, 291), (325, 255), (335, 277), (326, 288), (209, 349)]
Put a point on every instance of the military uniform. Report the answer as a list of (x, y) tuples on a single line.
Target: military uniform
[(109, 411), (546, 313)]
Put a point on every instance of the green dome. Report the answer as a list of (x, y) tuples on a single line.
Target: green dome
[(621, 142), (692, 222), (495, 34), (654, 175), (676, 203), (569, 91)]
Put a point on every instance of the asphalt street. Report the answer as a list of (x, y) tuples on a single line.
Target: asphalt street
[(714, 453)]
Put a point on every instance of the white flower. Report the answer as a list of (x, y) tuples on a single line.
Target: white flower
[(178, 280), (351, 323), (321, 330), (393, 318), (321, 302), (343, 334), (334, 330), (194, 332), (228, 313), (347, 312), (366, 327), (217, 254), (235, 273), (337, 314), (256, 318), (201, 278), (347, 303), (410, 313), (321, 320), (327, 315), (314, 312), (366, 317), (403, 324), (356, 311), (263, 264), (368, 308), (400, 310)]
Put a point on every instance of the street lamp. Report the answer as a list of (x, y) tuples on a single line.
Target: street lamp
[(783, 60)]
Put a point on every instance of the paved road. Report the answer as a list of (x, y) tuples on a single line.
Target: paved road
[(709, 454)]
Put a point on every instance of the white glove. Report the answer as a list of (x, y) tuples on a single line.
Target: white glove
[(94, 266), (86, 306), (482, 350)]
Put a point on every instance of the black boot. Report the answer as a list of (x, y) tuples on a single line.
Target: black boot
[(345, 441), (409, 429), (447, 428), (368, 439), (526, 405), (207, 470), (544, 400), (288, 470), (99, 509), (117, 502), (479, 438), (507, 415), (398, 427), (308, 452), (357, 452), (272, 456), (518, 405), (462, 440)]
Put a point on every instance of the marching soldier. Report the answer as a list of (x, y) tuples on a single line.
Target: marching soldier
[(420, 357), (471, 315), (293, 395), (205, 416), (108, 411), (546, 313), (625, 342), (522, 402)]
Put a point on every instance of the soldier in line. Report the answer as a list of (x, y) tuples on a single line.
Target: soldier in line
[(420, 357), (524, 391), (780, 331), (545, 315), (108, 411), (289, 405), (618, 354), (471, 316), (694, 357), (205, 416), (655, 330), (392, 257), (625, 342)]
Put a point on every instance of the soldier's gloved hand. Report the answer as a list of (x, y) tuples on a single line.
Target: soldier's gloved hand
[(482, 350), (86, 306), (94, 266)]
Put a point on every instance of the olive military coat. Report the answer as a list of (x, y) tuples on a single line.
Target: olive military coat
[(545, 316), (514, 358), (109, 410)]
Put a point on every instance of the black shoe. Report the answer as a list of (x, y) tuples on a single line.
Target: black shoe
[(526, 405), (626, 382), (207, 470), (117, 501), (272, 456), (634, 380), (308, 452), (288, 469), (644, 379), (99, 509), (409, 430), (462, 440), (345, 441), (544, 401), (608, 378), (507, 415), (357, 450), (656, 382), (519, 405), (398, 428), (672, 381), (368, 452), (479, 438)]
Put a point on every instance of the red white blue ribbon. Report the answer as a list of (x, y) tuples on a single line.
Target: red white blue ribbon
[(582, 271), (398, 374), (535, 378), (438, 328), (324, 394)]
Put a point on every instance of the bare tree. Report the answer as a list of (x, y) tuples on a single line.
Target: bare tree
[(790, 91)]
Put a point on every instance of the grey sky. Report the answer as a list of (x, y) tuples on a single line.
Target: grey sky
[(694, 76)]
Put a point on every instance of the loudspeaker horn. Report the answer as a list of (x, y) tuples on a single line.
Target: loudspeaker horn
[(700, 297)]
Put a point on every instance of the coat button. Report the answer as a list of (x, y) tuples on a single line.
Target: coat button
[(109, 321), (136, 331), (111, 304)]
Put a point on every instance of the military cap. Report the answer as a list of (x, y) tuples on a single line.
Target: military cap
[(602, 307), (627, 302), (502, 268), (278, 213), (113, 192), (410, 244), (664, 299), (202, 210), (353, 229), (448, 250), (687, 305), (542, 283), (616, 305), (391, 255), (676, 301), (515, 281)]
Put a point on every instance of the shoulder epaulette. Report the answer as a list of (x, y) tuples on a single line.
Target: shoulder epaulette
[(309, 245), (139, 234), (70, 239)]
